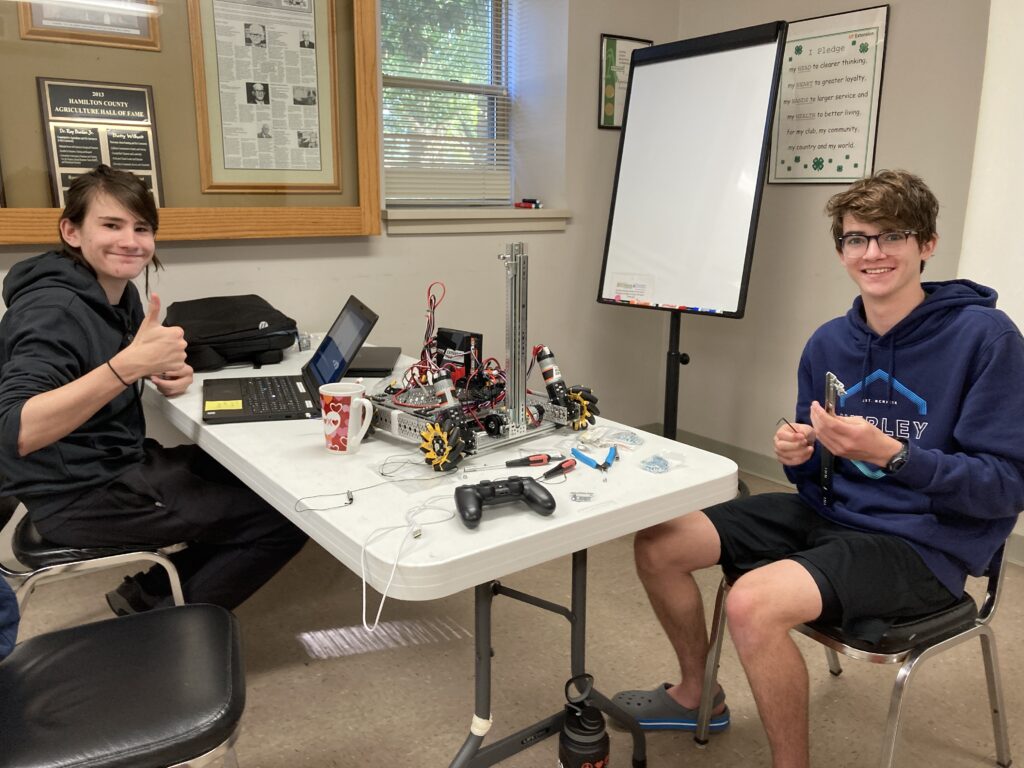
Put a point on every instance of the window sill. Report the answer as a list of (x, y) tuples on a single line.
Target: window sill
[(451, 221)]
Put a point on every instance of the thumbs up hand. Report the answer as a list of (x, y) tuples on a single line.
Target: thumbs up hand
[(172, 383), (155, 350), (152, 312)]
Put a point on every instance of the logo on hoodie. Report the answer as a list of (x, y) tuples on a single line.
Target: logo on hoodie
[(903, 429)]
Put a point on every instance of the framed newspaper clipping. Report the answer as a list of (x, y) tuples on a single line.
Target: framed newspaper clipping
[(88, 123), (266, 95), (122, 25)]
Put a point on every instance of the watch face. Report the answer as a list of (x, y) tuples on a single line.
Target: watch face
[(897, 461)]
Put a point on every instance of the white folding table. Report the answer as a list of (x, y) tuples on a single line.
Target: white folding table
[(287, 464)]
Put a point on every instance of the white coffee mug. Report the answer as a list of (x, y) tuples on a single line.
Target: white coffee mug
[(346, 415)]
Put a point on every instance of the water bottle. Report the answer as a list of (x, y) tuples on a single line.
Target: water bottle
[(583, 742)]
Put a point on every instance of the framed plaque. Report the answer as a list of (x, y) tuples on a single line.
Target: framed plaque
[(86, 124)]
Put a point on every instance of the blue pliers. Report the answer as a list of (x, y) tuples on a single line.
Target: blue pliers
[(590, 461)]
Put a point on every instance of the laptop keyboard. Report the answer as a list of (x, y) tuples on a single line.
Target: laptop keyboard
[(272, 394)]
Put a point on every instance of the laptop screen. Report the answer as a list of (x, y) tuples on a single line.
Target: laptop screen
[(339, 347)]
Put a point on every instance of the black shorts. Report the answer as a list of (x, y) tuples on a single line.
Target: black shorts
[(861, 575)]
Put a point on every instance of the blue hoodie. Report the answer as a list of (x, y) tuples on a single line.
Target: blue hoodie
[(949, 380)]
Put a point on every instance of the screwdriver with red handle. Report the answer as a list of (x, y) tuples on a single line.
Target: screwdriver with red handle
[(534, 460), (564, 467)]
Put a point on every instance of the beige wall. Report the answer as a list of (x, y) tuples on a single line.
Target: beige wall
[(310, 279), (991, 253), (742, 376)]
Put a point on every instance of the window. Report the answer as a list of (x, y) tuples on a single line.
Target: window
[(445, 102)]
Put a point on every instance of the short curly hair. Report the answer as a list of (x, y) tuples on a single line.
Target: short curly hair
[(896, 199)]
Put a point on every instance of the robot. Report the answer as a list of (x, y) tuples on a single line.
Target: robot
[(456, 409)]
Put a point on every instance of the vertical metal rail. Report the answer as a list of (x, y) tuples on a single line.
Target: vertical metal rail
[(516, 274)]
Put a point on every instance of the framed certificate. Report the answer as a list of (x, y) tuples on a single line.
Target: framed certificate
[(123, 25), (615, 56)]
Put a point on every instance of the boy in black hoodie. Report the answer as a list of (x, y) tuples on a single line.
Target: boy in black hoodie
[(75, 347)]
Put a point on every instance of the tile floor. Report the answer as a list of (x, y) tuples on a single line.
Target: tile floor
[(411, 704)]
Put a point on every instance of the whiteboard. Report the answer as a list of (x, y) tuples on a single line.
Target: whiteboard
[(691, 168)]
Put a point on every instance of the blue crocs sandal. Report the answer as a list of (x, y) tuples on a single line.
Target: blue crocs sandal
[(657, 711)]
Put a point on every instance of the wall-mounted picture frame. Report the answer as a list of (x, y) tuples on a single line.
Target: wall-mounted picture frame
[(616, 52), (189, 215), (128, 25), (88, 123), (274, 132), (830, 88)]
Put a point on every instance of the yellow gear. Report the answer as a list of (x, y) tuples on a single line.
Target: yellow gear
[(581, 421), (440, 449)]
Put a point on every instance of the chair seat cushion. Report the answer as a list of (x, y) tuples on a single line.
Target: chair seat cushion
[(33, 550), (903, 634), (147, 690)]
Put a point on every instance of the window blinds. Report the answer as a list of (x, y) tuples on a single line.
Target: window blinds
[(445, 102)]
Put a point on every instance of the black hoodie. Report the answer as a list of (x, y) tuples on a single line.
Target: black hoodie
[(59, 325)]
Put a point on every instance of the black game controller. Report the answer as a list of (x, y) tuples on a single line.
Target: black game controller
[(470, 500)]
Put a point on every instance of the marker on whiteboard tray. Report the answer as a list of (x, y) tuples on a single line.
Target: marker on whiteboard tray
[(531, 200)]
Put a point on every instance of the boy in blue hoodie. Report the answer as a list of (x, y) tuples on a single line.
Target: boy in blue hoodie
[(927, 484)]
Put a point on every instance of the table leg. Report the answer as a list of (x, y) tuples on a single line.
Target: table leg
[(472, 754), (578, 625)]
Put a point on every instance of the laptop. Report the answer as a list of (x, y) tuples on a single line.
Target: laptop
[(274, 398), (375, 362)]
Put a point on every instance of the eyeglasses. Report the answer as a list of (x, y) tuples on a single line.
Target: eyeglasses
[(889, 243)]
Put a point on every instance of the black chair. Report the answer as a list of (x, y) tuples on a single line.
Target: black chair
[(151, 690), (908, 642), (43, 560)]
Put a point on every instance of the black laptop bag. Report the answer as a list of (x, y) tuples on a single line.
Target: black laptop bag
[(226, 330)]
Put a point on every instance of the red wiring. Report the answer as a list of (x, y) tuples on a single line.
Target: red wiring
[(420, 375)]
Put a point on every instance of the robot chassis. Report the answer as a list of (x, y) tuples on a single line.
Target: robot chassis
[(445, 434)]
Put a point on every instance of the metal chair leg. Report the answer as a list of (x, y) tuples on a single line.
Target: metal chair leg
[(892, 721), (995, 697), (711, 666), (31, 579), (222, 756), (835, 666)]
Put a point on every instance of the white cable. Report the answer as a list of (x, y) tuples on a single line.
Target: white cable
[(413, 527)]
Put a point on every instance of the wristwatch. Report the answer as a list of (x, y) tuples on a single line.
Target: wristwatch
[(896, 463)]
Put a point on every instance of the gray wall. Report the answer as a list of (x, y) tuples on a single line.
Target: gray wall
[(742, 377)]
